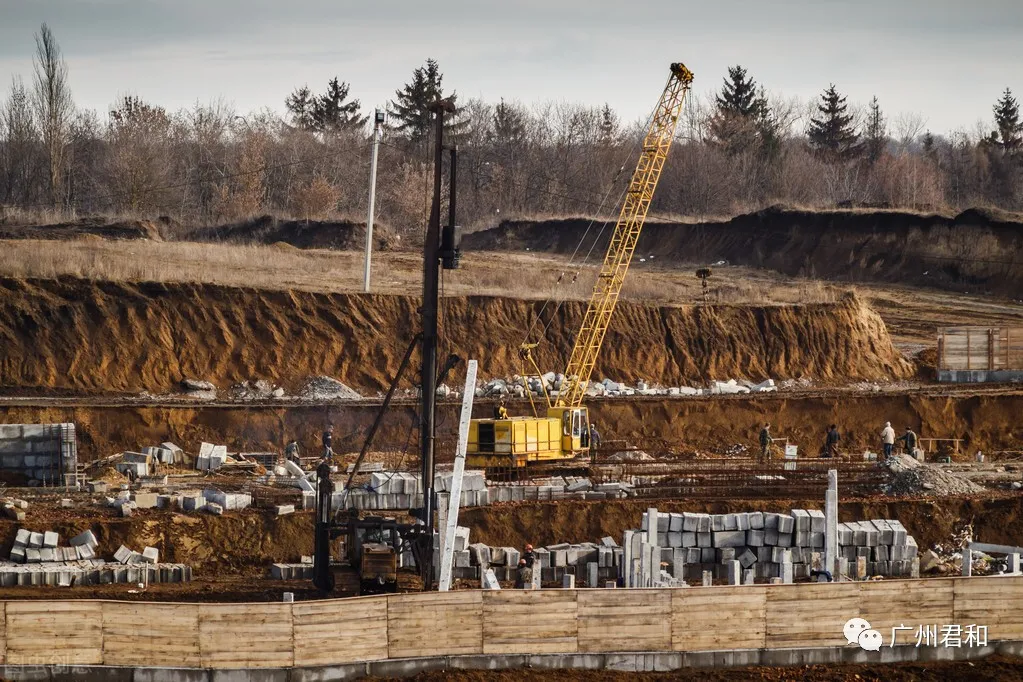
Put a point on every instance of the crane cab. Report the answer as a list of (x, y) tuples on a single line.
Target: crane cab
[(517, 441)]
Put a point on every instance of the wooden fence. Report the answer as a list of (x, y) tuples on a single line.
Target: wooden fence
[(980, 348), (334, 632)]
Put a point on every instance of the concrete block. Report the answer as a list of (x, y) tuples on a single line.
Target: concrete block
[(725, 554), (756, 520), (717, 523), (845, 534), (817, 518), (742, 521), (151, 555), (123, 554), (214, 508), (32, 555), (708, 555), (23, 537), (145, 500), (568, 581), (675, 539), (690, 522), (786, 524), (97, 486), (283, 509), (784, 540), (755, 538), (704, 539), (734, 572), (85, 551), (747, 558), (36, 540), (731, 522), (787, 572), (675, 523), (729, 538), (688, 539), (771, 537), (801, 519)]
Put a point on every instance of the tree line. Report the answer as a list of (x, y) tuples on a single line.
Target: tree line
[(739, 150)]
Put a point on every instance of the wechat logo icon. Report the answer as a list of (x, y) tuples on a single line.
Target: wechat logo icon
[(857, 631)]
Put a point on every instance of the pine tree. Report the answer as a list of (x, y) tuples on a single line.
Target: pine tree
[(302, 106), (332, 114), (411, 107), (832, 134), (930, 148), (609, 125), (875, 137), (742, 117), (1009, 136), (509, 124), (326, 113)]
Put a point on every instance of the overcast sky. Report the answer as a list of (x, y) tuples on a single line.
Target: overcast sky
[(948, 60)]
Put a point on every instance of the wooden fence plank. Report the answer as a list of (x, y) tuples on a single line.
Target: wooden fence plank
[(530, 621), (435, 624), (246, 636), (340, 631), (809, 614), (624, 620), (163, 635), (54, 632), (887, 604), (708, 619), (993, 602)]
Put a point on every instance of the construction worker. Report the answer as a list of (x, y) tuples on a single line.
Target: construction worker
[(529, 556), (909, 438), (500, 411), (831, 441), (888, 439), (765, 441), (524, 576), (291, 452), (594, 436), (328, 441)]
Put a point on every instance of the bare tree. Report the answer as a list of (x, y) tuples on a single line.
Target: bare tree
[(19, 159), (53, 107)]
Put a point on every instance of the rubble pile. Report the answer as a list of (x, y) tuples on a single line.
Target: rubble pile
[(325, 388), (518, 387), (912, 477)]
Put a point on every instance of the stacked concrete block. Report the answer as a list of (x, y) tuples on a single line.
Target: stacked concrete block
[(878, 547), (90, 572), (227, 501), (211, 457), (41, 452), (771, 545)]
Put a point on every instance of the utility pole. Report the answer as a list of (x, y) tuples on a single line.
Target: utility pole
[(378, 124), (431, 301)]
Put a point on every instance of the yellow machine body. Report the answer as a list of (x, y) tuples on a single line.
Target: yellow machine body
[(517, 441)]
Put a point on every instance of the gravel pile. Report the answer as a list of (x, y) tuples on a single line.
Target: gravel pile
[(325, 388), (917, 478)]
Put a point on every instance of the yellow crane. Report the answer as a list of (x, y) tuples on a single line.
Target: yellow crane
[(513, 442)]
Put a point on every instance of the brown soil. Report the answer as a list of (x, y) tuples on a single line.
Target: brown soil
[(303, 234), (977, 250), (109, 337), (985, 670), (988, 422), (93, 226)]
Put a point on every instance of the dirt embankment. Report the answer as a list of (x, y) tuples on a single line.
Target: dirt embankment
[(80, 335), (303, 234), (978, 251), (989, 423), (95, 226)]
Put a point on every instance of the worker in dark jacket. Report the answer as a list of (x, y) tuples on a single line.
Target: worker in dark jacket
[(524, 577), (529, 556), (500, 411), (328, 441), (594, 436), (765, 441), (910, 439), (831, 442)]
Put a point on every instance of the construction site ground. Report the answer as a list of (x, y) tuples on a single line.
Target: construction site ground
[(229, 286)]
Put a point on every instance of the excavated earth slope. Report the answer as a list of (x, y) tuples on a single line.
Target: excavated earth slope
[(977, 250), (86, 336)]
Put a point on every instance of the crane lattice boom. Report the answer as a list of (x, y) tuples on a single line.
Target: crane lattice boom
[(626, 233)]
